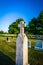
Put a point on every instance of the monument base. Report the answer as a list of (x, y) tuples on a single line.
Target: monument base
[(21, 50)]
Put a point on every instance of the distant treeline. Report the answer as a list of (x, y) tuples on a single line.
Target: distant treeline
[(34, 27), (2, 32)]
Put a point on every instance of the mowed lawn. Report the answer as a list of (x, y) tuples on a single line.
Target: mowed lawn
[(35, 57), (8, 52)]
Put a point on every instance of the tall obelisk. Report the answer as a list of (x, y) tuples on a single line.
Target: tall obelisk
[(22, 46)]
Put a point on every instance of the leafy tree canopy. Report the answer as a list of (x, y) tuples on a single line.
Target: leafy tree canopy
[(13, 28), (35, 26)]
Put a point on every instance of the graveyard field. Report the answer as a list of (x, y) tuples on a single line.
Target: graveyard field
[(8, 52), (35, 57), (33, 41)]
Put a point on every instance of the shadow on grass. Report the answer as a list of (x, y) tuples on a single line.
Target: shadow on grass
[(5, 60)]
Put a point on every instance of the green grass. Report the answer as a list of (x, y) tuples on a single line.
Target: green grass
[(35, 57), (33, 41), (8, 49)]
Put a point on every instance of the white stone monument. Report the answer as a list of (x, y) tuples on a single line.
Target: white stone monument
[(21, 47), (39, 44)]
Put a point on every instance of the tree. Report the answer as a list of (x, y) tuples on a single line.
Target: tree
[(1, 32), (13, 28), (32, 26), (35, 26), (40, 23)]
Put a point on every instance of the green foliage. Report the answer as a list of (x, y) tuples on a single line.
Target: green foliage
[(1, 32), (40, 23), (32, 26), (13, 28), (35, 26), (26, 29)]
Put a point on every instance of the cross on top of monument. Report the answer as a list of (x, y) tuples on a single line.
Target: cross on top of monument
[(22, 25)]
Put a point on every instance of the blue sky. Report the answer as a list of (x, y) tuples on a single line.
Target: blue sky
[(10, 10)]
